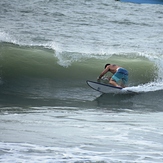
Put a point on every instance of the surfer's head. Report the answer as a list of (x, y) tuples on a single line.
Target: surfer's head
[(107, 65)]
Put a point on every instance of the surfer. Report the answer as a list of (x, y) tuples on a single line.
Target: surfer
[(118, 72)]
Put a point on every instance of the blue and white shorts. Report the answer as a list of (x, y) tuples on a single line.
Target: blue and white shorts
[(121, 74)]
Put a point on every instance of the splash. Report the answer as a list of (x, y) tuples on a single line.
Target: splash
[(148, 87)]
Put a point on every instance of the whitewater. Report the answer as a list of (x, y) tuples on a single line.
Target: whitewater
[(48, 49)]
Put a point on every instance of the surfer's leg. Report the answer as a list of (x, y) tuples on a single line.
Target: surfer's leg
[(114, 79), (112, 82), (124, 81)]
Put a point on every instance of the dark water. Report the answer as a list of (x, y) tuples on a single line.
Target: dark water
[(144, 1)]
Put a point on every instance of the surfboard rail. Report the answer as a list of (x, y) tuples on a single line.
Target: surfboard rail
[(107, 88), (103, 88)]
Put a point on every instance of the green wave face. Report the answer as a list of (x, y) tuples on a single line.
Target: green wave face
[(40, 62)]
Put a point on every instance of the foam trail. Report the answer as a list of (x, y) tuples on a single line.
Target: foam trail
[(148, 87)]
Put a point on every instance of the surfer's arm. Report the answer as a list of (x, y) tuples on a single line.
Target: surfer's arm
[(104, 72)]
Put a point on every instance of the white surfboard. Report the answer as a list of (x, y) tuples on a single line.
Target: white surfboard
[(106, 88)]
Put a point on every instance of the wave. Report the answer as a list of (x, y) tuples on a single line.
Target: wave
[(47, 62)]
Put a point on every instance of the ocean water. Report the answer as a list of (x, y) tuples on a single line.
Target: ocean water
[(48, 49)]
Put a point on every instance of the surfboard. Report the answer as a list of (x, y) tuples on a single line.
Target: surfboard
[(106, 88)]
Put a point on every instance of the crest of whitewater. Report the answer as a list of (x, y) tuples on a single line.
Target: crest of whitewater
[(48, 49)]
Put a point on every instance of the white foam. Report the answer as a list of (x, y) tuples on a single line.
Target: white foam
[(5, 37), (148, 87), (23, 152)]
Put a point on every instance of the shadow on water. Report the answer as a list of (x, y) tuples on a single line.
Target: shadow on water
[(143, 102), (115, 101), (146, 102)]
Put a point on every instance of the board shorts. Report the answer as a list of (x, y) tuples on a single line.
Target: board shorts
[(121, 74)]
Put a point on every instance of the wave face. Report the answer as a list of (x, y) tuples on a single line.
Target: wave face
[(40, 62), (27, 64), (49, 53)]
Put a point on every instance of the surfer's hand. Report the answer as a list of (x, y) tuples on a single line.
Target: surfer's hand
[(105, 78)]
